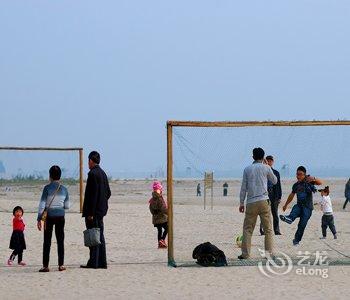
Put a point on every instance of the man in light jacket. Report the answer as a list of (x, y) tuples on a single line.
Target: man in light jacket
[(254, 191)]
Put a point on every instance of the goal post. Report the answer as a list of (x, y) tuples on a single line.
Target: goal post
[(208, 185), (80, 152), (171, 125)]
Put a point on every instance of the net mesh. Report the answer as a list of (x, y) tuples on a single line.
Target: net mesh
[(323, 150), (23, 174)]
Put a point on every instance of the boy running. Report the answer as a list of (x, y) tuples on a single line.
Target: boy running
[(304, 189)]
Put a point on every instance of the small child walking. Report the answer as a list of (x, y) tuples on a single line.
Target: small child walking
[(159, 211), (327, 218), (17, 243)]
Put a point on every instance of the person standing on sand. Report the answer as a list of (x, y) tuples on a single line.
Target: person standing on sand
[(97, 193), (199, 192), (225, 189), (347, 194), (159, 211), (51, 213), (275, 196), (254, 188)]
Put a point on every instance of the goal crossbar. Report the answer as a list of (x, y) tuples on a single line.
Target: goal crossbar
[(256, 123)]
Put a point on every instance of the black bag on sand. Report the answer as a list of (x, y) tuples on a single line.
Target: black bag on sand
[(208, 255)]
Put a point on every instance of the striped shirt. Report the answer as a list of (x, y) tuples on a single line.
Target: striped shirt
[(59, 204)]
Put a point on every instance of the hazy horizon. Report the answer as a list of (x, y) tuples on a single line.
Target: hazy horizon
[(108, 76)]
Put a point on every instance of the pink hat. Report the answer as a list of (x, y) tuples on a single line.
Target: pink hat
[(157, 186)]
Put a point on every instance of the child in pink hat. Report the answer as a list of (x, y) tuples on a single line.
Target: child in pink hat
[(159, 211)]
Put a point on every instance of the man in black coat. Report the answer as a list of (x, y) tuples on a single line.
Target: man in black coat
[(97, 193), (275, 195)]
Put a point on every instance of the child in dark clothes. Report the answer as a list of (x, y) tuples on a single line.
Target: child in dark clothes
[(159, 213), (17, 243)]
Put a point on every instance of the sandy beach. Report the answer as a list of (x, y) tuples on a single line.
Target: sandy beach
[(138, 270)]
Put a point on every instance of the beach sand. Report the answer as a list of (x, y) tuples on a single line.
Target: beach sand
[(138, 270)]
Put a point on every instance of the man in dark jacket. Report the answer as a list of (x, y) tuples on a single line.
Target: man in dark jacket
[(347, 194), (97, 193), (275, 196)]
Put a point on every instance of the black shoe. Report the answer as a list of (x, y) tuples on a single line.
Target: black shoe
[(278, 233), (262, 233), (295, 243), (86, 267), (242, 257), (44, 270), (103, 267)]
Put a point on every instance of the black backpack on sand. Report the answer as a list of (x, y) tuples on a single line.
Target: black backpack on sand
[(208, 255)]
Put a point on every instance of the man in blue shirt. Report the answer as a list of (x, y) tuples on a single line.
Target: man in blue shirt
[(304, 189)]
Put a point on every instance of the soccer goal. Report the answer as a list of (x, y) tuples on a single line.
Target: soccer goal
[(225, 149), (25, 170)]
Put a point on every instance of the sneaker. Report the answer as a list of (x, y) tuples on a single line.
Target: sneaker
[(22, 263), (164, 243), (335, 236), (286, 219), (10, 262), (322, 238), (241, 257), (295, 243)]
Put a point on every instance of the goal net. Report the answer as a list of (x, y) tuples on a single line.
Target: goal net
[(225, 149), (25, 171)]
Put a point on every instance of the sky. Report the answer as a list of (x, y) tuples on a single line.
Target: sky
[(107, 75)]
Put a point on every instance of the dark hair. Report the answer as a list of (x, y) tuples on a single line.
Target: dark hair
[(55, 173), (258, 153), (269, 157), (302, 169), (16, 209), (326, 190), (95, 157)]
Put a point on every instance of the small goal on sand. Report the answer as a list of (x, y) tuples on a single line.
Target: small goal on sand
[(24, 171)]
